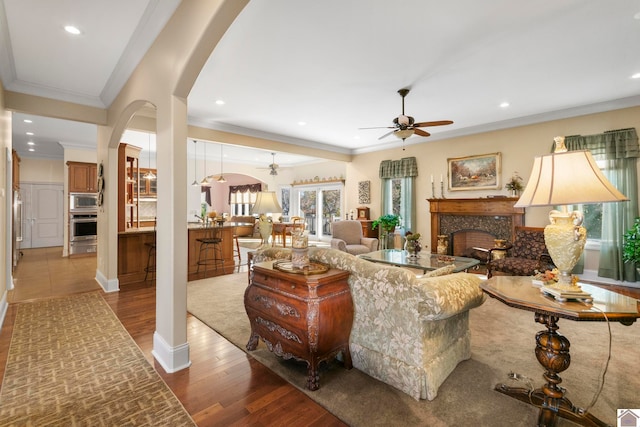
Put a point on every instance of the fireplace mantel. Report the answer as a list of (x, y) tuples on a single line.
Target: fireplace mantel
[(499, 207)]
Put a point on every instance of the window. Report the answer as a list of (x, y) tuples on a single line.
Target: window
[(398, 193)]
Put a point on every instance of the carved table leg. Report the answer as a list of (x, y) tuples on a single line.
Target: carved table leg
[(253, 341), (552, 352), (313, 379)]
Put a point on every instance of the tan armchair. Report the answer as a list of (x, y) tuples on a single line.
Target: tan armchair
[(347, 236)]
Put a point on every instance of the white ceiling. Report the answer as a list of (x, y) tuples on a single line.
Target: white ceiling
[(337, 64)]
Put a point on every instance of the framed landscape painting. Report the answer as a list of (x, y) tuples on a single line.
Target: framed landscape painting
[(480, 172)]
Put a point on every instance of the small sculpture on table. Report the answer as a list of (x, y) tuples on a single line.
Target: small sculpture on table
[(300, 249)]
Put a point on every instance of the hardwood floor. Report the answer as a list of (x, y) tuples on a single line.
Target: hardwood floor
[(223, 386)]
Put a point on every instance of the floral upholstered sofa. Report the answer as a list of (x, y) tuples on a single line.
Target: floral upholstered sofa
[(408, 331)]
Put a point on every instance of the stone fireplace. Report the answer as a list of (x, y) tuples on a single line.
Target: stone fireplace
[(470, 223)]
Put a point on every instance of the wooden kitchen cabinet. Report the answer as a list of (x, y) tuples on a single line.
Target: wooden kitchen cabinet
[(304, 317), (128, 186), (148, 187), (83, 177)]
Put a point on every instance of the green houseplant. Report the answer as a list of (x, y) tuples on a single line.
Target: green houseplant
[(631, 244), (388, 224)]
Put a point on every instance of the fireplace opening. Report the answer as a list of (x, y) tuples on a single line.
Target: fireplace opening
[(464, 243)]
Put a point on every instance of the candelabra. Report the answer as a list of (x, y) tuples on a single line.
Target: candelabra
[(433, 190), (442, 190)]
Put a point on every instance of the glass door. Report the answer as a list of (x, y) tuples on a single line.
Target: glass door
[(319, 205)]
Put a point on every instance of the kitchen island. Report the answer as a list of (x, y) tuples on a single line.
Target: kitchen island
[(133, 252)]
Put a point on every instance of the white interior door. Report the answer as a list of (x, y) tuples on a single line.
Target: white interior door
[(43, 215)]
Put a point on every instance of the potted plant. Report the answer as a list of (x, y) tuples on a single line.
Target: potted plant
[(514, 184), (388, 224), (631, 244)]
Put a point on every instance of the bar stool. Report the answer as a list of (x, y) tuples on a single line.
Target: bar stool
[(151, 255), (236, 250), (210, 249)]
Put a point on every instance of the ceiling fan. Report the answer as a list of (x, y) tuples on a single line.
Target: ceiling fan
[(273, 166), (405, 126)]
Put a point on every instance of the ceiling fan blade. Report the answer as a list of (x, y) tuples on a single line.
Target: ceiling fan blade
[(421, 132), (436, 123), (386, 135), (380, 127)]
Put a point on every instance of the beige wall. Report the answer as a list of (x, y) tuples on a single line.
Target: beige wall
[(49, 171), (517, 145)]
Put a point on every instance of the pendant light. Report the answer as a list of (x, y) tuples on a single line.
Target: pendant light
[(221, 177), (149, 175), (195, 182), (205, 180)]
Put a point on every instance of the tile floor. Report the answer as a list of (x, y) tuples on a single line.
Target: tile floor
[(44, 273)]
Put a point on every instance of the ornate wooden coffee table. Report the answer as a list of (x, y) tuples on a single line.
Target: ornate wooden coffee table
[(552, 349)]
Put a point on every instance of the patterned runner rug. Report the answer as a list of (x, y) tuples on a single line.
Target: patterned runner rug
[(71, 362)]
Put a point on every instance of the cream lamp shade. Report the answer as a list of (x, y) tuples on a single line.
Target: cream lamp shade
[(266, 202), (560, 179), (568, 178)]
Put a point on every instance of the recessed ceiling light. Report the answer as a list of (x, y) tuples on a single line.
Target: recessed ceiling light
[(219, 102), (30, 133), (636, 76), (32, 149), (31, 143), (28, 121), (504, 104), (72, 30), (302, 123)]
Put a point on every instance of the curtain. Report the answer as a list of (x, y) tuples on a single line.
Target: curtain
[(406, 170), (619, 151)]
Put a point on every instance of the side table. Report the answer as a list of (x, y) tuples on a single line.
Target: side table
[(304, 317), (552, 348)]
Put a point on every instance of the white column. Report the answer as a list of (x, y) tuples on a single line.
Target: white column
[(170, 347)]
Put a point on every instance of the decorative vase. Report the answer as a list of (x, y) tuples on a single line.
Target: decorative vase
[(300, 250), (499, 244), (443, 244)]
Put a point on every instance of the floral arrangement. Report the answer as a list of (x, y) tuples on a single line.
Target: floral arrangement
[(547, 277), (411, 236), (514, 183)]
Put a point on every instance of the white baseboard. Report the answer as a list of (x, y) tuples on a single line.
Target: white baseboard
[(106, 284), (592, 276), (172, 359)]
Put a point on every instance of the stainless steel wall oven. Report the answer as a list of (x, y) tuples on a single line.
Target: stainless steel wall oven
[(83, 233)]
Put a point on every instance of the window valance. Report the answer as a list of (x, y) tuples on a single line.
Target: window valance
[(613, 144), (403, 168), (247, 188)]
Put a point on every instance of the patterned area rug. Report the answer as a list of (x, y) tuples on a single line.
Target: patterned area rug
[(71, 362)]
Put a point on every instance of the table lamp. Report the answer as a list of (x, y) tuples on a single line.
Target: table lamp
[(559, 179), (266, 202)]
